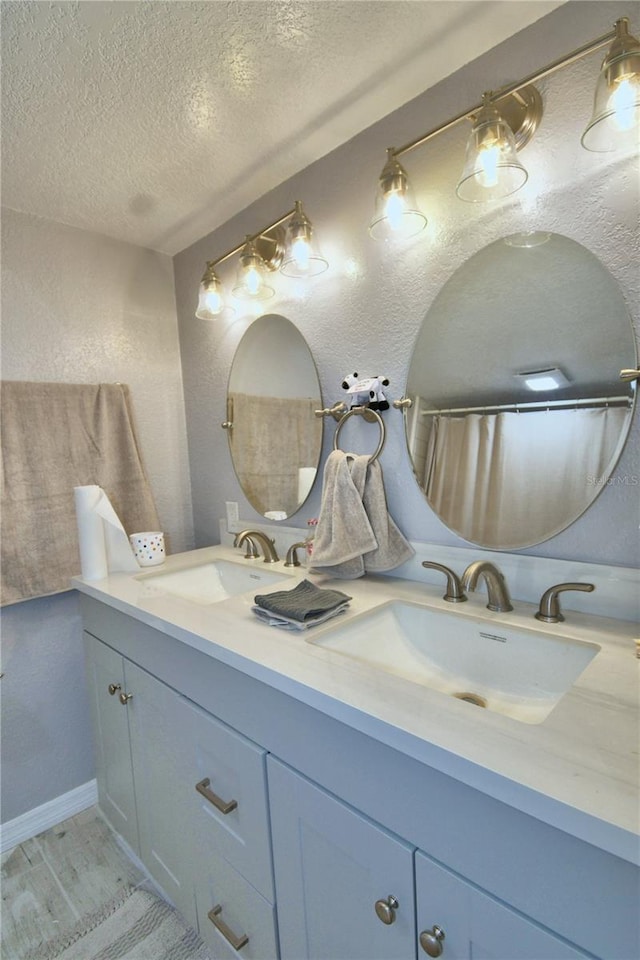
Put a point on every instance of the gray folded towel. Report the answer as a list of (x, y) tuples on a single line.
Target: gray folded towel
[(305, 602)]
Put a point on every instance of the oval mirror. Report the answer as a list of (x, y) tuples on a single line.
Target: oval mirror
[(275, 438), (518, 414)]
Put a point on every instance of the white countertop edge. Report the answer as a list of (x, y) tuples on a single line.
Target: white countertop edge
[(593, 829)]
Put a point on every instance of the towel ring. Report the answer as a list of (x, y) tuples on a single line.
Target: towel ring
[(373, 417)]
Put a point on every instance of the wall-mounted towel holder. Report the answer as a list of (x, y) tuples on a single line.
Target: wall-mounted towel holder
[(371, 416)]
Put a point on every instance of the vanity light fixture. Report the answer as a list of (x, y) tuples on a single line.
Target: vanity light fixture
[(396, 211), (302, 257), (491, 168), (616, 108), (261, 253), (210, 299), (251, 283), (505, 121)]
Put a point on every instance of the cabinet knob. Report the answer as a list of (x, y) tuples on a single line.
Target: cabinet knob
[(386, 909), (125, 697), (431, 941), (113, 688)]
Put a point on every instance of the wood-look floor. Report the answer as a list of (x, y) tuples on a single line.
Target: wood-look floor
[(54, 879)]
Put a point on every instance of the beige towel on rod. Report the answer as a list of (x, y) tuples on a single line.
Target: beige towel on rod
[(57, 436)]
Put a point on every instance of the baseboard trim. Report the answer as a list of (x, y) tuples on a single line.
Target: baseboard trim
[(47, 815)]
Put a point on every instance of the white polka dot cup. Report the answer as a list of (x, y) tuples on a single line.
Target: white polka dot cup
[(148, 548)]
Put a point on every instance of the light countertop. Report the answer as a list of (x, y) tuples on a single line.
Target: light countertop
[(577, 770)]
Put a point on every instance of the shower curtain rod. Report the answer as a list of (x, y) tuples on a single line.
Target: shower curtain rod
[(536, 406)]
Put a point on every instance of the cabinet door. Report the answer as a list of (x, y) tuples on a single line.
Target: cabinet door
[(332, 866), (475, 925), (114, 771), (158, 722)]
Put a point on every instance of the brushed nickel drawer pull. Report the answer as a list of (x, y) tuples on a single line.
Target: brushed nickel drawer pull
[(113, 688), (218, 802), (236, 942)]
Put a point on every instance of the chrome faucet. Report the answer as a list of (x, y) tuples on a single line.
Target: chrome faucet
[(455, 593), (268, 545), (549, 611), (497, 590)]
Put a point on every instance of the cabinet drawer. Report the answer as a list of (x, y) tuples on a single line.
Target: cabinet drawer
[(234, 920), (229, 796)]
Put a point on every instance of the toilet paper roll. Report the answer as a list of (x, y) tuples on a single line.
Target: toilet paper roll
[(306, 477), (104, 545)]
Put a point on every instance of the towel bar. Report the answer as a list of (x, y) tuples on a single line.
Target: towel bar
[(372, 416)]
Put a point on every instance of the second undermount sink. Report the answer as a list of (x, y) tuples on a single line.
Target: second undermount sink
[(520, 673), (212, 581)]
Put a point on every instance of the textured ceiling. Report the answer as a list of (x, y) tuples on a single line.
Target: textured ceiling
[(154, 122)]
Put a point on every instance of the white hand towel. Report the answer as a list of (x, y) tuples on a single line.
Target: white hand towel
[(343, 534)]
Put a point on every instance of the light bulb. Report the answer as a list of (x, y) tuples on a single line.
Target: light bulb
[(252, 281), (488, 159), (623, 101), (213, 302), (394, 210), (301, 253)]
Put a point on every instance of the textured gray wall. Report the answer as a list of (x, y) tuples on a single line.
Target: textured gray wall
[(365, 312), (81, 308)]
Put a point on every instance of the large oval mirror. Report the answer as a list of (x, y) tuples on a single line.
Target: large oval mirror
[(518, 413), (274, 436)]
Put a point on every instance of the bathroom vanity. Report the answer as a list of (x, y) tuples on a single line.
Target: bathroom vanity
[(297, 801)]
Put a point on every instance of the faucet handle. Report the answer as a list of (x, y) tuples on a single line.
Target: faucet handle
[(455, 593), (549, 611), (251, 548), (292, 555)]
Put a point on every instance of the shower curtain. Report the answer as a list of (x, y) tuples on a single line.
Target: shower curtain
[(477, 465)]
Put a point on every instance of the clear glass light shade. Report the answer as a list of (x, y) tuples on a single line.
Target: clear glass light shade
[(251, 282), (491, 167), (211, 303), (615, 121), (396, 211), (302, 256)]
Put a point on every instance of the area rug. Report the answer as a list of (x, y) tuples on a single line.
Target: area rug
[(136, 925)]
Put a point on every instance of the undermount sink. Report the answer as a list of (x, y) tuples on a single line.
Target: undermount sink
[(211, 582), (521, 673)]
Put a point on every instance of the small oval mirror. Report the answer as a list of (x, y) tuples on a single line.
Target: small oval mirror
[(275, 438), (518, 413)]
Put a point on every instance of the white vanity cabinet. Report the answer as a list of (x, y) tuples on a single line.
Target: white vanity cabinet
[(143, 721), (345, 884), (306, 833), (189, 796), (114, 768), (467, 924), (347, 889)]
